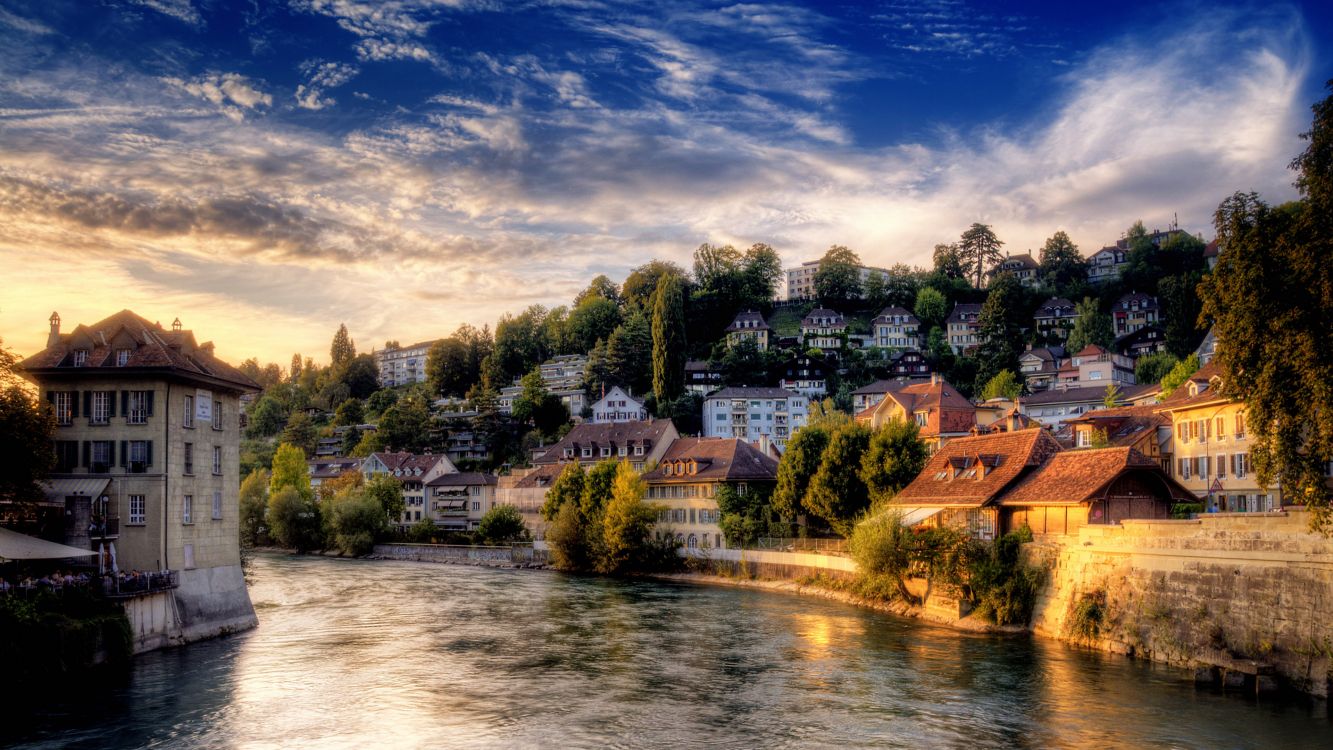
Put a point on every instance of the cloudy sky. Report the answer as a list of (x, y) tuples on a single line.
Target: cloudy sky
[(266, 170)]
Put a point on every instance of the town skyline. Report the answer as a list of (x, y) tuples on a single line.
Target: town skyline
[(408, 171)]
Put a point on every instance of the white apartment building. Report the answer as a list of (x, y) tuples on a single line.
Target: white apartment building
[(752, 413), (801, 280), (403, 365)]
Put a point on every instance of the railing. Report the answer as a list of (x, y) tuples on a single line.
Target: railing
[(136, 584), (106, 528), (822, 546)]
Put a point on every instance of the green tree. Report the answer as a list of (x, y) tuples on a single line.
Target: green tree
[(448, 368), (521, 342), (592, 321), (1111, 399), (901, 286), (837, 493), (1178, 375), (744, 365), (1180, 308), (876, 291), (300, 431), (253, 506), (405, 426), (567, 488), (716, 267), (949, 261), (627, 523), (294, 519), (669, 339), (1091, 327), (882, 546), (597, 486), (290, 470), (356, 520), (361, 376), (1061, 265), (387, 492), (369, 442), (601, 287), (266, 417), (1000, 328), (342, 350), (538, 406), (893, 458), (26, 430), (1151, 368), (501, 525), (761, 271), (349, 413), (380, 401), (978, 250), (931, 308), (1003, 385), (629, 353), (838, 277), (569, 542), (641, 284)]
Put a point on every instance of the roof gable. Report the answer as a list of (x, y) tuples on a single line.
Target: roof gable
[(973, 471)]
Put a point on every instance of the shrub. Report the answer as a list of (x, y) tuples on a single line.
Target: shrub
[(1085, 622), (357, 520), (502, 524)]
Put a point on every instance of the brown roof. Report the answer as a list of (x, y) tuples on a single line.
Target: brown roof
[(963, 308), (611, 435), (714, 460), (1124, 425), (947, 411), (152, 348), (833, 316), (1078, 476), (332, 468), (751, 316), (893, 311), (461, 479), (997, 460), (542, 476), (406, 462), (1181, 398)]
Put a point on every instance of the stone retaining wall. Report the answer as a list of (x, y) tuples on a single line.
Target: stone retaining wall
[(459, 553), (754, 563)]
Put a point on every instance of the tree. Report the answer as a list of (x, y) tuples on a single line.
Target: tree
[(342, 350), (266, 417), (893, 458), (978, 250), (629, 353), (761, 272), (369, 442), (1178, 374), (597, 486), (838, 278), (715, 267), (669, 339), (568, 540), (349, 413), (502, 524), (1003, 385), (1091, 327), (26, 429), (300, 432), (294, 372), (355, 519), (837, 493), (1151, 368), (1180, 308), (361, 376), (380, 401), (931, 308), (641, 284), (387, 493), (448, 369), (290, 470), (1061, 265), (601, 287), (592, 321), (294, 519), (405, 426), (253, 506), (521, 342), (537, 406), (627, 523), (876, 291), (1000, 328), (1111, 399), (901, 286), (744, 365), (949, 261), (567, 488)]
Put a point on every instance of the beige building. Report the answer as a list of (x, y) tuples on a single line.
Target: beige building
[(686, 482), (749, 325), (457, 501), (147, 449)]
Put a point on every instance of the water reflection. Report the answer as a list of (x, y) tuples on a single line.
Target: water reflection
[(357, 654)]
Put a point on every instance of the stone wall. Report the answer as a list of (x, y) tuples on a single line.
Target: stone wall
[(458, 553), (755, 563), (1250, 594)]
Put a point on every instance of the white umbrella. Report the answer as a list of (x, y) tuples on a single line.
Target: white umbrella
[(114, 567), (101, 559)]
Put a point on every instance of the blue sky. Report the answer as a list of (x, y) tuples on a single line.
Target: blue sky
[(267, 170)]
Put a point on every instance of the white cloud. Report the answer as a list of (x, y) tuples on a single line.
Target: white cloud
[(323, 76), (230, 92), (23, 24), (181, 10)]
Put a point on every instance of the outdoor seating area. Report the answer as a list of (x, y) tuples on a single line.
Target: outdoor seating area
[(111, 585)]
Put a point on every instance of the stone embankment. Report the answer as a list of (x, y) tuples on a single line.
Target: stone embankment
[(519, 556)]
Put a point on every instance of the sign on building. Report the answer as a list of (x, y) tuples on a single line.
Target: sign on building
[(203, 406)]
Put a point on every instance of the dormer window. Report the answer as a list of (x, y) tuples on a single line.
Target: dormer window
[(666, 470), (587, 453), (638, 450), (80, 357), (569, 453), (122, 357), (606, 451)]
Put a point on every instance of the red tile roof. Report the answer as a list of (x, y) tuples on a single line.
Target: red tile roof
[(715, 460), (997, 459), (947, 410), (610, 435), (1078, 476)]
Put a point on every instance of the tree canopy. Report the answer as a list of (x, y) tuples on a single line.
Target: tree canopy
[(978, 249), (838, 278), (1092, 326)]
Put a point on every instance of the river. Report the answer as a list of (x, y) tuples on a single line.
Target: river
[(357, 654)]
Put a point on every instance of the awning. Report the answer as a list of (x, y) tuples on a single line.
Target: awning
[(911, 516), (16, 546), (57, 490)]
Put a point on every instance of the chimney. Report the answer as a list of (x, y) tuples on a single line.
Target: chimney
[(934, 378), (53, 337), (763, 444)]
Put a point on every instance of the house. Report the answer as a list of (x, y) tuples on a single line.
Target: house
[(1134, 311), (1056, 406), (800, 280), (806, 375), (1149, 339), (413, 471), (562, 376), (702, 377), (324, 469), (940, 412), (749, 325), (896, 328), (457, 501), (1107, 264), (403, 365), (640, 443), (824, 329), (1023, 266), (685, 485), (868, 395), (461, 441), (752, 413), (908, 364), (1207, 347), (963, 326), (1139, 427), (618, 406), (1211, 252), (1096, 365), (1055, 318), (1040, 366), (1210, 446), (147, 461)]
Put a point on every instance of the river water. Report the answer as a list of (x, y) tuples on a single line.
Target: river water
[(357, 654)]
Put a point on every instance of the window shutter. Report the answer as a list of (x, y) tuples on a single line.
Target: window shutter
[(111, 453), (87, 403), (74, 403), (110, 403), (125, 403), (1208, 428), (124, 453), (148, 454), (51, 397), (87, 454), (150, 403)]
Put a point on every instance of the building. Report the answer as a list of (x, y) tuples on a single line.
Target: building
[(618, 406), (896, 328), (1040, 366), (801, 280), (1139, 427), (1210, 446), (403, 365), (868, 395), (686, 483), (1108, 263), (325, 469), (940, 412), (749, 325), (1211, 252), (702, 377), (1055, 318), (964, 327), (456, 501), (461, 442), (1149, 339), (806, 375), (147, 445), (1096, 366), (562, 376), (908, 364), (753, 413), (1056, 406), (824, 329), (414, 472), (1023, 266), (1134, 311)]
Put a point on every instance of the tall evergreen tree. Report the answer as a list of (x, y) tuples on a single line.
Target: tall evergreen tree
[(1092, 326), (629, 353), (949, 261), (978, 250), (1061, 265), (668, 340), (1000, 329), (343, 350)]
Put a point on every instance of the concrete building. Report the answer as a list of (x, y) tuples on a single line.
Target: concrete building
[(1053, 408), (414, 472), (800, 281), (749, 325), (806, 375), (147, 445), (896, 328), (1040, 366), (753, 413), (963, 327), (686, 483), (563, 376), (1097, 366), (1108, 263), (403, 365), (618, 406), (457, 501)]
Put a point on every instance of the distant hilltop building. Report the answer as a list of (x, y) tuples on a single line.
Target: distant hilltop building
[(147, 445), (801, 280), (1108, 263), (1023, 266), (403, 365)]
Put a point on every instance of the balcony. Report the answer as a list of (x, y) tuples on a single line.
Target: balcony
[(106, 528)]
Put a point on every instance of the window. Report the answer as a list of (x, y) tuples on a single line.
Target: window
[(189, 556), (140, 406), (139, 456), (100, 413), (1219, 427), (638, 449), (217, 459), (64, 404), (99, 462), (189, 458), (1221, 465), (187, 509), (606, 451), (476, 505), (217, 505), (67, 455), (587, 452), (80, 357), (217, 414), (137, 514), (1240, 425), (122, 357)]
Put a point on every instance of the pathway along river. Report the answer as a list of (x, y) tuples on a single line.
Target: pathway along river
[(357, 654)]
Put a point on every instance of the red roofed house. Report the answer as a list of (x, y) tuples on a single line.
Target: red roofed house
[(413, 471), (939, 410), (687, 480)]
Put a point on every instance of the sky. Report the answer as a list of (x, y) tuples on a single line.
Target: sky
[(267, 170)]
